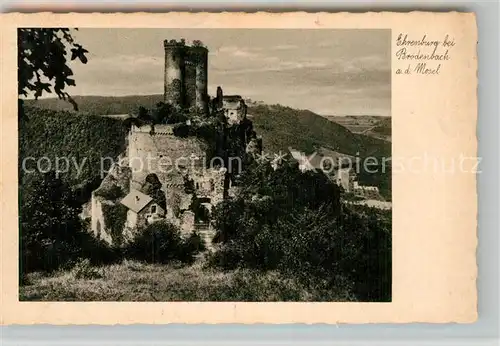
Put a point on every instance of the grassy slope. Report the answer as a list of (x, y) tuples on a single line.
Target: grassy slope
[(133, 281)]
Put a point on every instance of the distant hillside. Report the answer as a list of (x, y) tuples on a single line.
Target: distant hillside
[(99, 105), (281, 127), (373, 126), (51, 135)]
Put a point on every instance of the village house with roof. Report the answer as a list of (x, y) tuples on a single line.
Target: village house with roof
[(142, 209)]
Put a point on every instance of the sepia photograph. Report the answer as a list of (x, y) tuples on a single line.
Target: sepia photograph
[(239, 165)]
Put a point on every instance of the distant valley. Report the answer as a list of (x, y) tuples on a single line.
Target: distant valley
[(374, 126)]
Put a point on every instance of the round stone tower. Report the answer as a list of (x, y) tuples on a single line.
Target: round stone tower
[(174, 72), (200, 55)]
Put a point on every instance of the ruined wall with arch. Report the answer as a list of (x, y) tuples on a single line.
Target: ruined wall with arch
[(167, 156)]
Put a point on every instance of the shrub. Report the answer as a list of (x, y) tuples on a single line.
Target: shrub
[(161, 242), (51, 233), (115, 216), (181, 130), (367, 252), (84, 270), (353, 250), (112, 193), (50, 229), (98, 252), (191, 246)]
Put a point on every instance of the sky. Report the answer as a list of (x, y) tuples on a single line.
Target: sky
[(330, 72)]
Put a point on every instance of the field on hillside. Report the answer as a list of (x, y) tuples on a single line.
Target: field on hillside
[(135, 281), (373, 126)]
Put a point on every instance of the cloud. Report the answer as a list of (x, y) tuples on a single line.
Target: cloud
[(332, 72), (119, 75), (238, 52), (125, 62), (360, 85), (286, 47), (325, 44), (275, 65), (366, 63)]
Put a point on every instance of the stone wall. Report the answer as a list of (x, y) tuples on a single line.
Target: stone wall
[(235, 110), (210, 185), (98, 225), (187, 222), (201, 77), (343, 178), (167, 156)]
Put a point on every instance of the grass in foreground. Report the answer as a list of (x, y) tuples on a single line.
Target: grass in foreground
[(134, 281)]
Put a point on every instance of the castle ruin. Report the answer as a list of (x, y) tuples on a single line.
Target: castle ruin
[(157, 166)]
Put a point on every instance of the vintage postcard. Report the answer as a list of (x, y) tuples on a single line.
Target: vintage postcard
[(238, 168)]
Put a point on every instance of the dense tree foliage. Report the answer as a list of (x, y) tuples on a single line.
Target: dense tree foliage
[(115, 216), (83, 140), (161, 113), (153, 188), (283, 127), (294, 222), (112, 193), (49, 223), (161, 242), (51, 231)]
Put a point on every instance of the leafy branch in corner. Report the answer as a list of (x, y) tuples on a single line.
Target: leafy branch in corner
[(43, 61)]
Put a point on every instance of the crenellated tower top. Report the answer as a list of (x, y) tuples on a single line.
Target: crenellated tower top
[(174, 43)]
